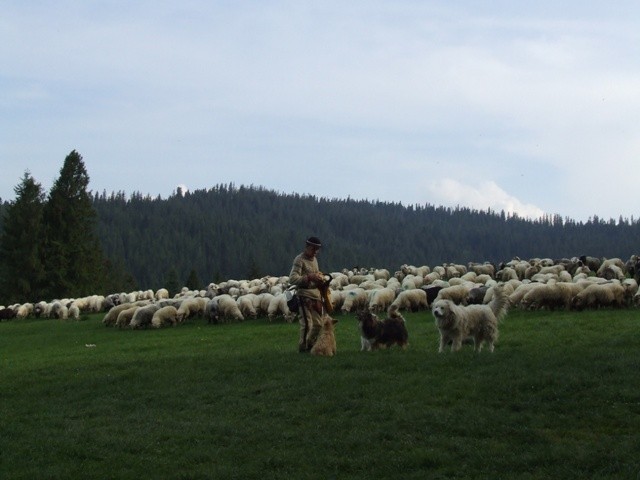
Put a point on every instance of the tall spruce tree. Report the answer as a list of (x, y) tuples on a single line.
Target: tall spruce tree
[(193, 281), (22, 272), (73, 257)]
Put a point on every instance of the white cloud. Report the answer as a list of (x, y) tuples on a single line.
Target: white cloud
[(483, 196), (382, 94)]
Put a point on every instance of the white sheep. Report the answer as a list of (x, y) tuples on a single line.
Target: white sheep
[(630, 286), (338, 280), (381, 273), (246, 305), (600, 295), (381, 299), (430, 278), (74, 311), (278, 307), (355, 299), (609, 262), (111, 316), (165, 316), (611, 272), (337, 299), (58, 310), (551, 295), (143, 316), (124, 316), (412, 281), (228, 308), (411, 300), (191, 307), (506, 274), (162, 294), (24, 310), (483, 269), (264, 299), (520, 291), (456, 293)]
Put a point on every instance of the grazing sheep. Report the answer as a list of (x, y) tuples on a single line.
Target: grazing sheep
[(551, 295), (631, 284), (518, 294), (211, 311), (24, 310), (278, 307), (143, 316), (430, 278), (58, 310), (124, 317), (380, 299), (264, 299), (412, 281), (432, 292), (544, 277), (607, 263), (600, 295), (354, 300), (338, 280), (411, 300), (611, 272), (246, 305), (555, 269), (191, 307), (483, 269), (96, 303), (381, 273), (477, 295), (228, 308), (337, 299), (165, 316), (7, 313), (506, 274), (456, 293), (111, 316), (41, 309), (74, 311), (162, 294)]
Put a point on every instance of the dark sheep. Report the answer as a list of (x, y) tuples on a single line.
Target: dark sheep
[(432, 292), (593, 263), (476, 295), (7, 314)]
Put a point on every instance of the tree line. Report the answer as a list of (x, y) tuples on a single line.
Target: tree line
[(49, 246), (75, 242)]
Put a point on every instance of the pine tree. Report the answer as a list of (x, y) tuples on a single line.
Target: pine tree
[(171, 282), (21, 242), (193, 282), (73, 258)]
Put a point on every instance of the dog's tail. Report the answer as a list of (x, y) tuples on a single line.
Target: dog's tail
[(499, 303), (394, 312)]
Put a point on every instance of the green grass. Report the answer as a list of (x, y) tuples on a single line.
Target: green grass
[(559, 398)]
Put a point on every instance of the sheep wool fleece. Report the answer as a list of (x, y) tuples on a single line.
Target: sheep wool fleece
[(311, 326)]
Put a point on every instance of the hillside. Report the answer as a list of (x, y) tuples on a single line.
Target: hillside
[(247, 232)]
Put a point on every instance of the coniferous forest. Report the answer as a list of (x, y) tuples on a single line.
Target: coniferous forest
[(246, 232), (238, 232)]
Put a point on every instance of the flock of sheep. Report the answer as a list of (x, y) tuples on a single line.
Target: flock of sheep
[(539, 283)]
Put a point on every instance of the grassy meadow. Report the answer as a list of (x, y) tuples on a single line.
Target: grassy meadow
[(559, 398)]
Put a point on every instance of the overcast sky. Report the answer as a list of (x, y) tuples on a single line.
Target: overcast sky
[(527, 107)]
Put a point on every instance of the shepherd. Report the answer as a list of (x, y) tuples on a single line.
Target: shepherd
[(310, 284)]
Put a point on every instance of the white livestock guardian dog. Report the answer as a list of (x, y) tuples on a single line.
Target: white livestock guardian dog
[(480, 322)]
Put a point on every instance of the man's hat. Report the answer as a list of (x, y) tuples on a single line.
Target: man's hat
[(314, 242)]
